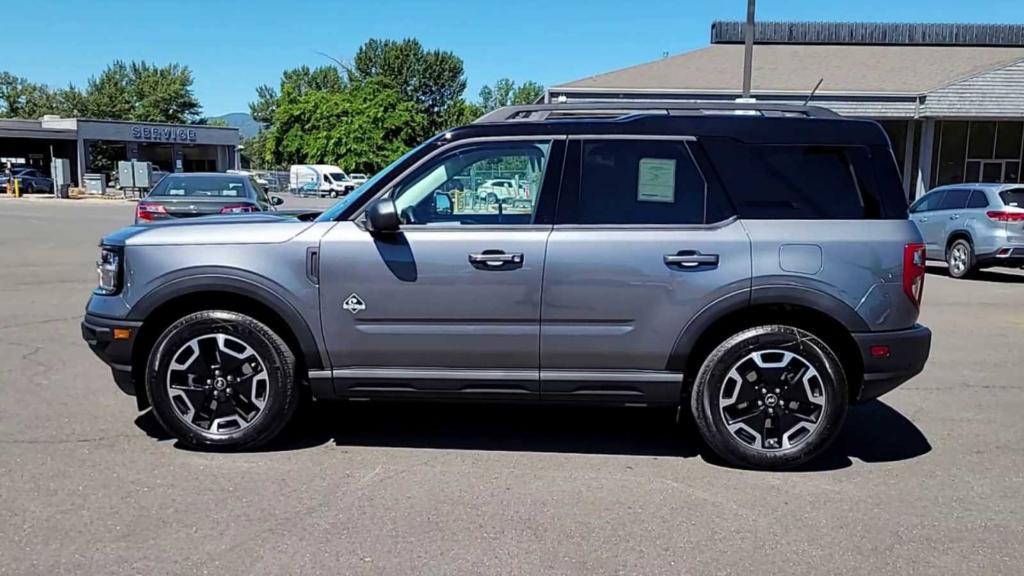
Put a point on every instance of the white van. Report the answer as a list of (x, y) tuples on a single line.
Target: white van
[(319, 179)]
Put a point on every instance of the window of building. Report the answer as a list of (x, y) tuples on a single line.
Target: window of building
[(638, 182), (982, 138), (1008, 140), (952, 152), (799, 182)]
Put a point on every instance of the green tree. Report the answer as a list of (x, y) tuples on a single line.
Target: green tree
[(505, 92), (433, 79), (361, 126), (20, 98), (142, 92)]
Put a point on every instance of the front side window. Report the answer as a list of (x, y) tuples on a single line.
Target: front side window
[(928, 202), (492, 183), (636, 182)]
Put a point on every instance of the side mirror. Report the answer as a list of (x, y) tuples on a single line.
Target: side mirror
[(382, 217), (276, 200)]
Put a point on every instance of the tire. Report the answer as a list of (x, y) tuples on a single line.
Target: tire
[(334, 193), (492, 198), (804, 420), (961, 260), (226, 357)]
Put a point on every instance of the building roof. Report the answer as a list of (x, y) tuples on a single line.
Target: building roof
[(796, 68)]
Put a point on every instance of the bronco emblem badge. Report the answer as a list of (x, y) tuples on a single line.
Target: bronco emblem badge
[(354, 303)]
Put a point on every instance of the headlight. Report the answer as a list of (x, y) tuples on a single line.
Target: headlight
[(108, 268)]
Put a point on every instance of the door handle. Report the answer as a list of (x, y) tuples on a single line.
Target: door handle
[(496, 259), (690, 259), (954, 217)]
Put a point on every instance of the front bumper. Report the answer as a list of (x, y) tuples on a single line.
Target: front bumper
[(907, 353), (98, 333)]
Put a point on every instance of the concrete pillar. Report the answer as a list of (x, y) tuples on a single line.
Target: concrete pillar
[(908, 160), (82, 153), (924, 164)]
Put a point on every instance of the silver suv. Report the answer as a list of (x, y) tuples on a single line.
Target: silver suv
[(972, 226), (752, 263)]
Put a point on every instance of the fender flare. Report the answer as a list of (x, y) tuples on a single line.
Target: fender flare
[(793, 294), (238, 282)]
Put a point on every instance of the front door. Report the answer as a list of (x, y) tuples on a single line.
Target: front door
[(451, 303), (640, 246)]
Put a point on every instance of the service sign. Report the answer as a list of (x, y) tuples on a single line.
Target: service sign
[(164, 134)]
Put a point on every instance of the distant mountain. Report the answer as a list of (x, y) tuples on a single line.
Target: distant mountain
[(247, 127)]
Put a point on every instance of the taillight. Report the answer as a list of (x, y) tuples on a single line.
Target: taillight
[(1003, 216), (913, 272), (149, 212), (238, 209)]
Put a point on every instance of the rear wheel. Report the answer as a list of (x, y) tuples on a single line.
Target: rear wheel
[(770, 397), (960, 258), (219, 379)]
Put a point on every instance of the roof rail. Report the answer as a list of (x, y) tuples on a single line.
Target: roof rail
[(611, 110)]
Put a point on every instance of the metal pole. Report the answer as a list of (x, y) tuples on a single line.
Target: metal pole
[(748, 48)]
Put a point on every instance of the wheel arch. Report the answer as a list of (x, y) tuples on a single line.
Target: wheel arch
[(821, 314), (163, 306), (958, 234)]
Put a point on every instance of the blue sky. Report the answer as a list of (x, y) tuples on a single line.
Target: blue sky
[(233, 45)]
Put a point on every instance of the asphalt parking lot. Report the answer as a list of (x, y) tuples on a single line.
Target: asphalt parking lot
[(927, 481)]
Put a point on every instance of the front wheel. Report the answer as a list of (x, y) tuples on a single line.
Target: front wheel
[(220, 379), (770, 397), (960, 259)]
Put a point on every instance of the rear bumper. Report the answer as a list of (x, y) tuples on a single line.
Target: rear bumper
[(98, 333), (1008, 256), (908, 352)]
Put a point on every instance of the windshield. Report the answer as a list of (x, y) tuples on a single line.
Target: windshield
[(1013, 197), (213, 186), (357, 176), (338, 176), (354, 196)]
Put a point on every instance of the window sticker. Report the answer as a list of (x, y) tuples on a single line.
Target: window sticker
[(656, 180)]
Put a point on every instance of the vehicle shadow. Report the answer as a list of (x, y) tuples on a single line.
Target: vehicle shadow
[(990, 275), (874, 432)]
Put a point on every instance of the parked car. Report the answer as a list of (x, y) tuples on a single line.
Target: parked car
[(323, 179), (492, 191), (972, 226), (258, 177), (357, 179), (30, 180), (758, 269), (203, 194)]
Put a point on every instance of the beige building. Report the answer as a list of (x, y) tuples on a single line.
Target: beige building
[(950, 96)]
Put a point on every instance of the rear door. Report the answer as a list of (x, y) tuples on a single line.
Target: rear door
[(948, 219), (640, 245)]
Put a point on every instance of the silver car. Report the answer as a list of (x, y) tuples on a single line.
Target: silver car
[(972, 226)]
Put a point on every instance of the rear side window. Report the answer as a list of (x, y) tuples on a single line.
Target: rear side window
[(977, 200), (1013, 197), (806, 182), (954, 199), (636, 182)]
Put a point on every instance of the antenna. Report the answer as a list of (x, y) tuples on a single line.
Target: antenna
[(811, 95)]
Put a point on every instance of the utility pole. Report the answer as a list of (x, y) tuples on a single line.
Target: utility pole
[(748, 48)]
